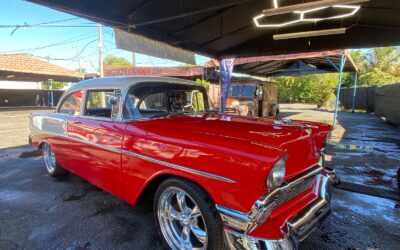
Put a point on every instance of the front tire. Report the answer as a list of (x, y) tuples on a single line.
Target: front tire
[(186, 216), (50, 162)]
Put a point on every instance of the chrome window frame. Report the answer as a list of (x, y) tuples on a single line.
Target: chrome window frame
[(64, 97)]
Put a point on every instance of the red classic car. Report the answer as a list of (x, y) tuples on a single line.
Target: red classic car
[(217, 180)]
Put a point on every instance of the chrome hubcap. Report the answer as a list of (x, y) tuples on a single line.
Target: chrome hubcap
[(49, 158), (181, 221)]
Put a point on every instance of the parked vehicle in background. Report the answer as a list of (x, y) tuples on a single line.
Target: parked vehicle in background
[(216, 180), (253, 98)]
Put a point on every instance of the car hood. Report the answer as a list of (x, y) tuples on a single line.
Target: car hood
[(300, 140), (271, 132)]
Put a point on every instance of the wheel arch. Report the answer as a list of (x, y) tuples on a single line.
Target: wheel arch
[(41, 143), (146, 195)]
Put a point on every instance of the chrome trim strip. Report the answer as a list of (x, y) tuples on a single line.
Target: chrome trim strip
[(143, 157), (178, 167), (239, 241)]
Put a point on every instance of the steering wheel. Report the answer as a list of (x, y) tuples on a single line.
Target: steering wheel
[(187, 105)]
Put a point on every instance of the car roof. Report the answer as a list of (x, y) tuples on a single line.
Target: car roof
[(123, 82)]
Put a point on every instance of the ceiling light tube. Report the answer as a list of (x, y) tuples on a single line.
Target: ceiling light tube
[(307, 6), (295, 35)]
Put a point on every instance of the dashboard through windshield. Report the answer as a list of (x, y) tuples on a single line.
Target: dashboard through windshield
[(151, 100)]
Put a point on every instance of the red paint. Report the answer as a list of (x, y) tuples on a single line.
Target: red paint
[(239, 148)]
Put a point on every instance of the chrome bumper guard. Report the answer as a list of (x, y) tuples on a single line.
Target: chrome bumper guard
[(238, 225)]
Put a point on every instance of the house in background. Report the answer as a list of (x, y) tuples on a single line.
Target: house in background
[(22, 77)]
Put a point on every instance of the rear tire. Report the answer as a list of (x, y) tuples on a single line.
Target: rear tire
[(50, 162), (186, 216)]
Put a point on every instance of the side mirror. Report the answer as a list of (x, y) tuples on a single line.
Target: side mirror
[(112, 100), (259, 93)]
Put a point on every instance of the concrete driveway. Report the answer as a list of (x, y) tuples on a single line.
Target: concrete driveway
[(40, 212)]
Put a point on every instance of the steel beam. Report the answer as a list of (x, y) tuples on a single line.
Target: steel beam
[(342, 63), (354, 91)]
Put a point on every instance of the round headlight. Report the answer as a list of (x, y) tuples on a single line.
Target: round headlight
[(277, 174)]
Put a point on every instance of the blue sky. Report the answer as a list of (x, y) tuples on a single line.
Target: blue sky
[(18, 12)]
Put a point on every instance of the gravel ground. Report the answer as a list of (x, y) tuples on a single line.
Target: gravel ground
[(40, 212)]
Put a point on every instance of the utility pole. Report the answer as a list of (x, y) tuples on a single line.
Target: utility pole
[(100, 46), (78, 59), (133, 59)]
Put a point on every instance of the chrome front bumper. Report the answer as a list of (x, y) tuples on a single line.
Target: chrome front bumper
[(238, 225)]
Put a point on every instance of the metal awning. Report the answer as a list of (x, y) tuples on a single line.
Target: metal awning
[(225, 28), (295, 63)]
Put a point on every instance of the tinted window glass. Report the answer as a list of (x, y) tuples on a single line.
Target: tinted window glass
[(72, 104), (248, 90), (242, 90)]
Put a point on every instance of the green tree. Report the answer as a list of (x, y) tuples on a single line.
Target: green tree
[(376, 66), (116, 61), (56, 85), (316, 89), (205, 83)]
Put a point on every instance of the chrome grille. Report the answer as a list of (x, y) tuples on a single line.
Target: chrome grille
[(293, 191)]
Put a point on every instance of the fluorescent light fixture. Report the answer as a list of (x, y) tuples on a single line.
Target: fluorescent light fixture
[(307, 6), (295, 35), (303, 15)]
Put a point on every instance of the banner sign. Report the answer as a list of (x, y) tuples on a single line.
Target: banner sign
[(153, 71), (226, 68), (143, 45)]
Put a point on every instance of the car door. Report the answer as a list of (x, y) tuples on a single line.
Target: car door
[(97, 136), (56, 124)]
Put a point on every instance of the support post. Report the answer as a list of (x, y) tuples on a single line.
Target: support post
[(342, 62), (51, 93), (354, 92)]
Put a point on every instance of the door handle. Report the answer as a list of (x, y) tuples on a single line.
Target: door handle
[(74, 122)]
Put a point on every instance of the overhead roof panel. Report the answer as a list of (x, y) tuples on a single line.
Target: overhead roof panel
[(224, 28)]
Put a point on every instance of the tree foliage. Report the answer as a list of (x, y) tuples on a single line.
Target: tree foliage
[(56, 85), (205, 83), (308, 88), (376, 66), (116, 61)]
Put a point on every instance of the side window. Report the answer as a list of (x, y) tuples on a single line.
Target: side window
[(102, 103), (72, 104)]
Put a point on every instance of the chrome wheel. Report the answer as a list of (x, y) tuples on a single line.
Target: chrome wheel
[(49, 158), (181, 221)]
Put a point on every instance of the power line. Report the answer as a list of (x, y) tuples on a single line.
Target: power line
[(67, 59), (58, 21), (70, 40), (37, 24)]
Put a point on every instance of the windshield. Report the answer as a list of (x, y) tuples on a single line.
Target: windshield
[(150, 100), (242, 90)]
